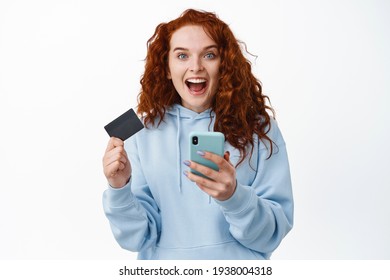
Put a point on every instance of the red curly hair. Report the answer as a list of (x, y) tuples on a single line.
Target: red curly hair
[(239, 104)]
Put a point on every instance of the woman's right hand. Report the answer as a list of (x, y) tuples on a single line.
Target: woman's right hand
[(116, 164)]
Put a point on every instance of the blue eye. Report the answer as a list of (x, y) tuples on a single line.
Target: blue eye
[(182, 56), (209, 56)]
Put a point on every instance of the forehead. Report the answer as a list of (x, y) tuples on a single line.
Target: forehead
[(191, 37)]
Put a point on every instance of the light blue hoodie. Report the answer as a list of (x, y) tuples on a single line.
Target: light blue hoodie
[(161, 214)]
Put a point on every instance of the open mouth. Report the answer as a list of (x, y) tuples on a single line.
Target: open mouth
[(196, 86)]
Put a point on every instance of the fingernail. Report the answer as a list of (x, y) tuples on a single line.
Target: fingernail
[(201, 153), (187, 162), (185, 173)]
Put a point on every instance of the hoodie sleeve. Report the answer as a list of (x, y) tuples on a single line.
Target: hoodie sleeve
[(260, 215), (132, 211)]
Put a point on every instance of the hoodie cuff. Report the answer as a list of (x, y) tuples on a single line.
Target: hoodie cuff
[(239, 201), (119, 197)]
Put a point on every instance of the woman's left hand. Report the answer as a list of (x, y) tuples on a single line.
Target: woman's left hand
[(223, 182)]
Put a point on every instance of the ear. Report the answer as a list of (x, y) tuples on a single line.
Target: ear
[(169, 76)]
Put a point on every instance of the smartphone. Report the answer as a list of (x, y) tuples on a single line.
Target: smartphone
[(207, 141)]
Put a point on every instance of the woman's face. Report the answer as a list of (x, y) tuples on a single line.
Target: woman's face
[(194, 67)]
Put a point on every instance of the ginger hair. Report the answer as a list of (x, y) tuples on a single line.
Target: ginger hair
[(239, 104)]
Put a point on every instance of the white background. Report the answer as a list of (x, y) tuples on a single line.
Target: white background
[(67, 68)]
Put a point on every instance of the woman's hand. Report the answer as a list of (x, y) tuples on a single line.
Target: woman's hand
[(116, 165), (223, 182)]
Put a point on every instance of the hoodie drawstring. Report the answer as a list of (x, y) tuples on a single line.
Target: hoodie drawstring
[(178, 147), (178, 151)]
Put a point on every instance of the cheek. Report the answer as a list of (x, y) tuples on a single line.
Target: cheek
[(176, 72), (215, 72), (216, 78), (169, 72)]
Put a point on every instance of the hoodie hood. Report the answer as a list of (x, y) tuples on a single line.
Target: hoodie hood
[(185, 113)]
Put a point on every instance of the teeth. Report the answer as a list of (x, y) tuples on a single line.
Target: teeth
[(196, 81)]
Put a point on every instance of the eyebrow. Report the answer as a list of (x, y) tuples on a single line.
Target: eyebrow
[(204, 49)]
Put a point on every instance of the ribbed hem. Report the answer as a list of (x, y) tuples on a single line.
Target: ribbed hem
[(119, 197)]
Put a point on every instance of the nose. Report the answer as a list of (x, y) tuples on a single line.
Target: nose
[(196, 64)]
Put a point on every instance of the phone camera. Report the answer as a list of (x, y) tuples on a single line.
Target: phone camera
[(195, 140)]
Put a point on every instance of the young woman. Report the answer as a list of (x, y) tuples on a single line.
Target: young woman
[(197, 79)]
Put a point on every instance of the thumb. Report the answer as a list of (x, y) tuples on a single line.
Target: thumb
[(226, 156)]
